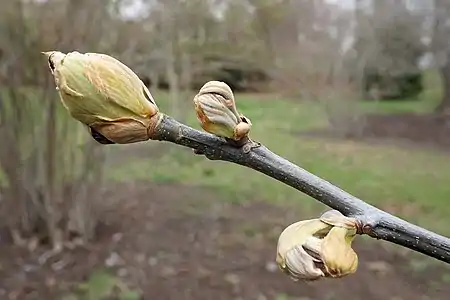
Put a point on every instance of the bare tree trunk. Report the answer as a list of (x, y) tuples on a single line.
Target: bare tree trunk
[(444, 71), (52, 202), (439, 45), (173, 79), (154, 79)]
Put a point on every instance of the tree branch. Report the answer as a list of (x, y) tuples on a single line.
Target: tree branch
[(371, 220)]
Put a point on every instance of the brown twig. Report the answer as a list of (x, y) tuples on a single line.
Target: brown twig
[(372, 221)]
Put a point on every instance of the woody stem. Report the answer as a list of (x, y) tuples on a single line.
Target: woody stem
[(373, 221)]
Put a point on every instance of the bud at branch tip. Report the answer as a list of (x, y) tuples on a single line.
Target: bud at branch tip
[(105, 95)]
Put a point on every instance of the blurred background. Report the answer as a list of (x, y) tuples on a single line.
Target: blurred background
[(355, 91)]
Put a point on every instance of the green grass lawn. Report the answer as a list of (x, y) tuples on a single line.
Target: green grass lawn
[(411, 183)]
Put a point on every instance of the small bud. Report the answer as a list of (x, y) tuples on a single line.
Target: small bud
[(318, 248), (105, 95), (216, 111)]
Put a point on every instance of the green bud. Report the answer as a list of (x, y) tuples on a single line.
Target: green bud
[(105, 95)]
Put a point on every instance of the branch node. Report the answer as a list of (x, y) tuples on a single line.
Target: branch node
[(364, 225), (363, 228), (250, 146)]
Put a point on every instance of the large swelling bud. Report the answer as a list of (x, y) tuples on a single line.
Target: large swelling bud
[(105, 95)]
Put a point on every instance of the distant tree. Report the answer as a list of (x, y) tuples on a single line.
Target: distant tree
[(389, 47), (440, 46)]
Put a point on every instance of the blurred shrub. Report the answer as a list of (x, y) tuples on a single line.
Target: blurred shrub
[(52, 170), (241, 76), (387, 87)]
